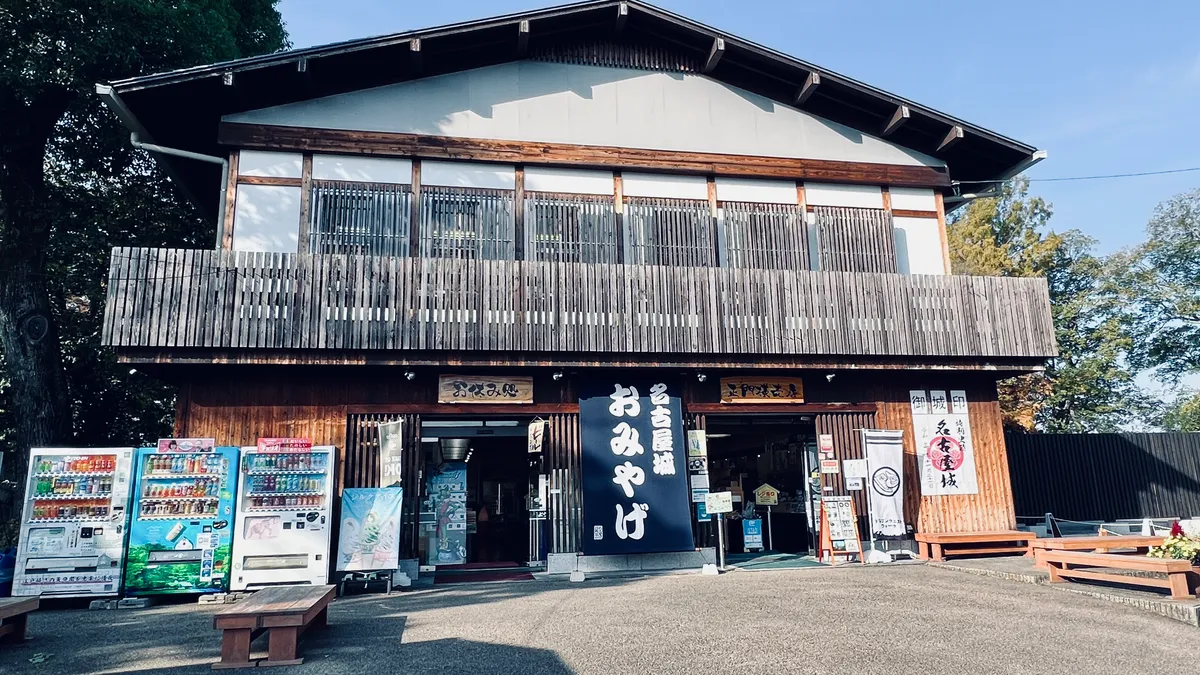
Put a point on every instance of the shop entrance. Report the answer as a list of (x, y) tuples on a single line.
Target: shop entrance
[(475, 508), (746, 451)]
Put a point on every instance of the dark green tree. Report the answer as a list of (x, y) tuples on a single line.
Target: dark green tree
[(71, 187), (1090, 386)]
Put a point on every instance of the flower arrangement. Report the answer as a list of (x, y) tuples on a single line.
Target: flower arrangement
[(1178, 545)]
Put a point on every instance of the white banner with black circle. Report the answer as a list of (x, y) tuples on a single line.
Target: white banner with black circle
[(885, 468)]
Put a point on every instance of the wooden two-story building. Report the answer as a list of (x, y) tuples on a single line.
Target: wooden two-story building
[(467, 227)]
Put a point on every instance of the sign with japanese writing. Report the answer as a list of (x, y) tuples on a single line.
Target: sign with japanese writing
[(186, 444), (369, 537), (762, 390), (766, 495), (718, 502), (635, 482), (391, 447), (697, 440), (752, 538), (284, 445), (855, 468), (945, 452), (485, 389), (885, 462), (537, 434), (829, 466), (843, 528)]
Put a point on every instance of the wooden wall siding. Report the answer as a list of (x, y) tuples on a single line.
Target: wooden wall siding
[(360, 218), (360, 468), (466, 223), (855, 240), (170, 298), (564, 460), (570, 228), (846, 429), (992, 508), (617, 55), (764, 236), (672, 232), (704, 534)]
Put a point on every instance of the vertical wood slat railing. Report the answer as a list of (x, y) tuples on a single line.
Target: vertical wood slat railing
[(855, 239), (163, 298)]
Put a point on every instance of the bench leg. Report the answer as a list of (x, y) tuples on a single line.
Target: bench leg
[(281, 647), (938, 555), (321, 620), (1053, 568), (13, 631), (923, 550), (1180, 588), (235, 649)]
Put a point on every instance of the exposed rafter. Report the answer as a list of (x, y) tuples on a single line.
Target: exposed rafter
[(714, 55), (953, 136), (809, 88), (414, 49), (302, 65), (898, 119), (522, 38), (227, 78), (622, 15)]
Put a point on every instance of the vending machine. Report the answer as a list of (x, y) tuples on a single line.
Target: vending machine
[(73, 522), (284, 514), (182, 522)]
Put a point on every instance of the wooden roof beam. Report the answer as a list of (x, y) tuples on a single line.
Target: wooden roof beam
[(522, 38), (622, 16), (808, 88), (898, 119), (714, 55), (414, 50), (953, 136)]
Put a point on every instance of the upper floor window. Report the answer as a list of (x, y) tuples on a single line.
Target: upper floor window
[(668, 221), (569, 216)]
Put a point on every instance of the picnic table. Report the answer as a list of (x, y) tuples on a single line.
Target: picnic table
[(284, 612)]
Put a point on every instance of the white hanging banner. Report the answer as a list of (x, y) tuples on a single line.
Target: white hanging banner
[(945, 451), (885, 468)]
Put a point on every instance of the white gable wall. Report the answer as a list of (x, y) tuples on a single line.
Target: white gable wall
[(591, 105)]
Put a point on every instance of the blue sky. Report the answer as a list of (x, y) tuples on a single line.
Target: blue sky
[(1110, 88)]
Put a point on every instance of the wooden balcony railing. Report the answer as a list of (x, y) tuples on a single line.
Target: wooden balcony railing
[(167, 298)]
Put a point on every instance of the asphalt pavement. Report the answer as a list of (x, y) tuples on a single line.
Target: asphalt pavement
[(854, 620)]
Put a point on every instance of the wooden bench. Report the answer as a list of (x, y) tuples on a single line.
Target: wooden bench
[(1097, 544), (936, 546), (1063, 566), (285, 612), (14, 615)]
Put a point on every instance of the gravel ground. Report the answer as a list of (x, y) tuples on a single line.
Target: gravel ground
[(856, 620)]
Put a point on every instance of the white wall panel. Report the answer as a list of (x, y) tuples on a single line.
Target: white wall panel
[(362, 169), (469, 174), (266, 218), (590, 105), (913, 199), (571, 181), (276, 164), (760, 191), (918, 246), (829, 194), (657, 185)]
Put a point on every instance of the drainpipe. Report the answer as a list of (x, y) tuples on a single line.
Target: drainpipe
[(115, 103)]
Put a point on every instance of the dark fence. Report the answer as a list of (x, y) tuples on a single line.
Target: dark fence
[(1105, 476)]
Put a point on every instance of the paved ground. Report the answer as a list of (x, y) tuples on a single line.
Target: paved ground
[(909, 618)]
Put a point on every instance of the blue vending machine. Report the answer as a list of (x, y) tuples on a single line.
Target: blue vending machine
[(181, 528)]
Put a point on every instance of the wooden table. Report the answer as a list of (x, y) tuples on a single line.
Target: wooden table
[(1179, 573), (937, 545), (285, 612), (1098, 544), (14, 613)]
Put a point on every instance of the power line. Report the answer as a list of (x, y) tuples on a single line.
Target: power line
[(1072, 178)]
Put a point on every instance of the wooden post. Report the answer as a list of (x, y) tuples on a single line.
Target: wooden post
[(942, 236), (235, 649), (230, 202), (619, 208), (414, 228), (519, 213), (302, 245), (281, 646)]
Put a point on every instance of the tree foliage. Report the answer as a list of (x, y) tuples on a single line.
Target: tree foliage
[(1090, 385), (71, 187)]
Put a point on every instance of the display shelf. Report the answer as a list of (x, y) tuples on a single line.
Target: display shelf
[(41, 521), (174, 476), (211, 498), (284, 472), (277, 509), (179, 516), (73, 474), (285, 494), (105, 496)]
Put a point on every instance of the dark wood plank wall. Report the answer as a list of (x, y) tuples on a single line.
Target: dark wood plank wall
[(360, 468), (237, 405), (564, 463), (846, 430), (166, 298)]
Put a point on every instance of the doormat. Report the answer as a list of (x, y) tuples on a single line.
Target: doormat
[(771, 561)]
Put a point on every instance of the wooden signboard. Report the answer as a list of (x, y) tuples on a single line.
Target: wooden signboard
[(484, 389), (762, 390), (839, 530)]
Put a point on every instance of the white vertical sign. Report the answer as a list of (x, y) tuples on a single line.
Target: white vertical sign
[(920, 402), (945, 450), (885, 466)]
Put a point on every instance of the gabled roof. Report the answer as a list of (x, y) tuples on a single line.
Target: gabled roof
[(183, 108)]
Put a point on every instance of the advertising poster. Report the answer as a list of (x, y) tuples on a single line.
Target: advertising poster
[(370, 532), (885, 467), (945, 452), (186, 444), (752, 536), (391, 448), (444, 512), (635, 483)]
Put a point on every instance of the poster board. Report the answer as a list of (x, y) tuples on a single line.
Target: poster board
[(391, 458), (945, 448), (369, 538), (839, 530)]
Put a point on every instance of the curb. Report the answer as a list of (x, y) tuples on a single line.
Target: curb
[(1185, 613)]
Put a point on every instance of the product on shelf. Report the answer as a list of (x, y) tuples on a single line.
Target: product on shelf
[(81, 464)]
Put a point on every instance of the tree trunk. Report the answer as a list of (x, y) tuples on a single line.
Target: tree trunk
[(28, 330)]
